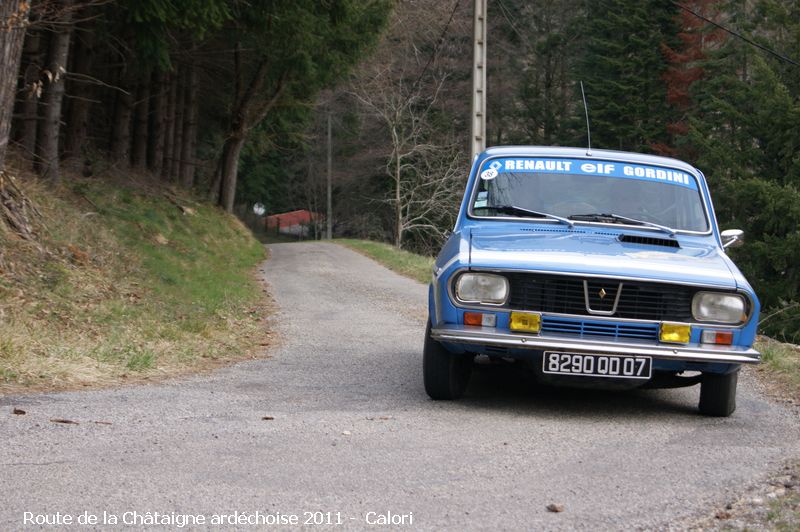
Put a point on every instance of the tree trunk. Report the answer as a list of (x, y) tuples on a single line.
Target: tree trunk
[(187, 166), (169, 126), (48, 154), (214, 192), (139, 155), (32, 58), (155, 149), (248, 111), (230, 169), (177, 139), (79, 93), (246, 116), (13, 21), (121, 134)]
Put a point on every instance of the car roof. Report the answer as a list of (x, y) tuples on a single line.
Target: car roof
[(584, 153)]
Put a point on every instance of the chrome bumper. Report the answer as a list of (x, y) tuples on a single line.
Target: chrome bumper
[(459, 334)]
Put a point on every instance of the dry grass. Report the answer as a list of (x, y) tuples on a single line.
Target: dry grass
[(417, 267), (781, 366), (121, 286)]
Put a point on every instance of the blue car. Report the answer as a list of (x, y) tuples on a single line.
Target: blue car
[(598, 268)]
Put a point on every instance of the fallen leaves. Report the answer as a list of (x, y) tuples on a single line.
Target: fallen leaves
[(267, 418), (77, 255), (64, 421), (555, 508)]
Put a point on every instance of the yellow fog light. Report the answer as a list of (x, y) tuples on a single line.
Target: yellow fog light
[(525, 321), (675, 333)]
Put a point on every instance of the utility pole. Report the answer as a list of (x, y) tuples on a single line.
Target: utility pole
[(329, 232), (478, 141)]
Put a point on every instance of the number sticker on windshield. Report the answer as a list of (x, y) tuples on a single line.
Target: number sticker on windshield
[(489, 173)]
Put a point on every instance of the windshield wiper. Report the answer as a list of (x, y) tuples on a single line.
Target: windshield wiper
[(616, 218), (520, 211)]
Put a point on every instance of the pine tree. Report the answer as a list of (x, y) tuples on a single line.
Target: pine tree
[(532, 50), (622, 69), (685, 60)]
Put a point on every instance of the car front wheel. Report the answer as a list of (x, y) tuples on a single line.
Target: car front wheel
[(445, 374), (718, 394)]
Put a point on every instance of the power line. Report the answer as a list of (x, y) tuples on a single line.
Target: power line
[(506, 11), (439, 42), (739, 35)]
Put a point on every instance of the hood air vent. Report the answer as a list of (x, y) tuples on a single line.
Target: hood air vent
[(650, 241), (570, 231)]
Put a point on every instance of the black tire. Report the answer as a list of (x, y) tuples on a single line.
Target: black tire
[(446, 375), (718, 394)]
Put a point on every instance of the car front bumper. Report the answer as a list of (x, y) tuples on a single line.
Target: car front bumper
[(465, 335)]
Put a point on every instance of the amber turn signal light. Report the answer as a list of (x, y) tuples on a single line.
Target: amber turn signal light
[(717, 337), (525, 322), (480, 319), (675, 333)]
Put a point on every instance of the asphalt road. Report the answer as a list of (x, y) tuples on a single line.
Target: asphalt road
[(354, 433)]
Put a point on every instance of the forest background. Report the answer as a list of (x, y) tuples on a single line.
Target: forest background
[(231, 99)]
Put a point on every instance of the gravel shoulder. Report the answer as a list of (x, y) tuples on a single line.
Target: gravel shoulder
[(349, 429)]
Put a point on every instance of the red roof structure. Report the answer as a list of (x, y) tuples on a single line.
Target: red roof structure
[(291, 219)]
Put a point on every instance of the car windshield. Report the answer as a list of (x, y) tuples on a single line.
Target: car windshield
[(590, 191)]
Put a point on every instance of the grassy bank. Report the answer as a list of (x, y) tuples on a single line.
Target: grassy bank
[(411, 265), (122, 283), (781, 364)]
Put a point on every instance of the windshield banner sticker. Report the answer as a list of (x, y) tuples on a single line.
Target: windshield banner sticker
[(641, 172)]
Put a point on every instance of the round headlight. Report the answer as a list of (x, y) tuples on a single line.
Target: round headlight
[(482, 288), (718, 307)]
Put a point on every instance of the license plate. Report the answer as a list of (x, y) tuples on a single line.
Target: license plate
[(617, 366)]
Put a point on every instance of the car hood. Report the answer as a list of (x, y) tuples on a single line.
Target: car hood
[(577, 251)]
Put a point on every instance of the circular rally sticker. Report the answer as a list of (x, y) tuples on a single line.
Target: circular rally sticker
[(489, 173)]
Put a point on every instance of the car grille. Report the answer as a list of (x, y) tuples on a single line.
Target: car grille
[(641, 331), (559, 294)]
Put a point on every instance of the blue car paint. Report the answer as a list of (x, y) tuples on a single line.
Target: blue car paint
[(593, 249)]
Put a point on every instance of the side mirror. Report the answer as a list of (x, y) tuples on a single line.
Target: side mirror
[(732, 238)]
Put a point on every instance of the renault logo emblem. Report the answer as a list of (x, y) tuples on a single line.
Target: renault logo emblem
[(612, 292)]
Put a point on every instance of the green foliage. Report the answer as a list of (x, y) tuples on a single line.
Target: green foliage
[(309, 45), (311, 42), (275, 152), (622, 69), (150, 22)]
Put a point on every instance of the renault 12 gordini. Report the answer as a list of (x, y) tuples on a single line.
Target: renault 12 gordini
[(598, 268)]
